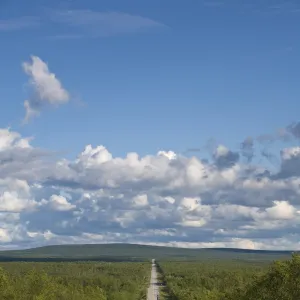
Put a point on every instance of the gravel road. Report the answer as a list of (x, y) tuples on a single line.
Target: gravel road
[(153, 290)]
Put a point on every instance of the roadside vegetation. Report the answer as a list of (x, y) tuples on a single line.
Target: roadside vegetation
[(232, 280), (82, 281), (181, 280)]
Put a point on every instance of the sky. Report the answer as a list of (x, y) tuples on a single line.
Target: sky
[(154, 122)]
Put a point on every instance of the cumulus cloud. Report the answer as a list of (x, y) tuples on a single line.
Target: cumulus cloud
[(45, 87), (282, 210), (9, 140), (225, 158), (290, 162), (59, 203), (165, 198)]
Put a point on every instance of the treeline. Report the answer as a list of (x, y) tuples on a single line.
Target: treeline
[(232, 281), (82, 281)]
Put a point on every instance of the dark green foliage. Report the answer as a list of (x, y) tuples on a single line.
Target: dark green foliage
[(206, 280), (82, 281), (281, 282), (233, 281)]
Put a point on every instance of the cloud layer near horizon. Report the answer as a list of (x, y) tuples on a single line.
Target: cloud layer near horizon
[(164, 199)]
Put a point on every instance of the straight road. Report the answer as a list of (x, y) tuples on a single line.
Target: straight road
[(153, 290)]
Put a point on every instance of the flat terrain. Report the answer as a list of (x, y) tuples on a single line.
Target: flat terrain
[(96, 272), (208, 279), (231, 280), (74, 280)]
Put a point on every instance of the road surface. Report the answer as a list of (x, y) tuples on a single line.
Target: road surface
[(153, 290)]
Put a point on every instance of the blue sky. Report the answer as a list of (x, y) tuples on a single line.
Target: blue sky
[(213, 69), (120, 91)]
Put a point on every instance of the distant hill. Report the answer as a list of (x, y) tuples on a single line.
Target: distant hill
[(133, 252)]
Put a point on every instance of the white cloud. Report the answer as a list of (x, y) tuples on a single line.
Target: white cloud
[(289, 153), (221, 151), (46, 88), (9, 139), (169, 154), (282, 210), (164, 198), (140, 200), (15, 196), (11, 202), (4, 236), (190, 203), (193, 223), (91, 157), (59, 203)]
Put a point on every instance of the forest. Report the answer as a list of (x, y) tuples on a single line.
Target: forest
[(71, 280), (183, 278), (231, 280)]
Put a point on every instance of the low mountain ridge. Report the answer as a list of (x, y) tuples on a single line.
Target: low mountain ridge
[(135, 252)]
